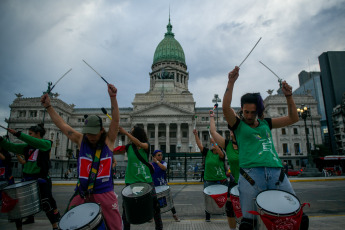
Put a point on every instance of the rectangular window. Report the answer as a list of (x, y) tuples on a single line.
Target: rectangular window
[(283, 131), (295, 131), (172, 134), (297, 148), (184, 134), (33, 113), (285, 148)]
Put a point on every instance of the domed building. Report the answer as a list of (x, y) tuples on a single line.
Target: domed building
[(167, 112)]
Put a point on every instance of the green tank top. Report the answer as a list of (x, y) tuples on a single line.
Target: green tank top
[(214, 166), (233, 159), (136, 171)]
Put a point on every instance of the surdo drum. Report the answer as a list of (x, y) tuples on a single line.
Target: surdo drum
[(235, 201), (87, 216), (27, 194), (215, 198), (164, 197), (279, 207), (138, 202)]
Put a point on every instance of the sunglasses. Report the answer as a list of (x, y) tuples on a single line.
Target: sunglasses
[(159, 155)]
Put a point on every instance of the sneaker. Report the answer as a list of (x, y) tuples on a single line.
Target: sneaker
[(207, 220), (29, 220), (176, 218)]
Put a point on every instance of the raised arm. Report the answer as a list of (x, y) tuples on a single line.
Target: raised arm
[(228, 112), (218, 150), (133, 139), (292, 116), (72, 134), (216, 136), (115, 121), (197, 140)]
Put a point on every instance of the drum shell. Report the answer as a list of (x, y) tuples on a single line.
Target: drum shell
[(28, 196), (260, 224), (211, 206), (164, 197), (138, 210), (95, 223), (234, 195)]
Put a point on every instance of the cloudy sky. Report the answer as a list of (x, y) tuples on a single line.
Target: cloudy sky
[(41, 40)]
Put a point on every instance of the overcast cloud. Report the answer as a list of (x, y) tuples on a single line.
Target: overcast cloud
[(41, 40)]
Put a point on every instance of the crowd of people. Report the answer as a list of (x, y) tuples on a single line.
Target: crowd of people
[(254, 163)]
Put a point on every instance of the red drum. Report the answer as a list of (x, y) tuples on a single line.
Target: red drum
[(235, 201), (278, 210), (215, 198)]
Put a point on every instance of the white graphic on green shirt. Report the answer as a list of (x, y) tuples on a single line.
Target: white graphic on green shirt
[(218, 171), (266, 145), (141, 170)]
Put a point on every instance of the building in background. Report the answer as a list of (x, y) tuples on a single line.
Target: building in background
[(310, 84), (332, 65)]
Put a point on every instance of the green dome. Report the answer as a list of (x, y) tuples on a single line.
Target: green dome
[(169, 49)]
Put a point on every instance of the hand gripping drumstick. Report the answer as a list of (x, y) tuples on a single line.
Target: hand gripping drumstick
[(250, 52), (96, 72), (106, 113)]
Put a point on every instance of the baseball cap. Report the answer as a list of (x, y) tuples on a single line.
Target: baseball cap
[(155, 152), (92, 124)]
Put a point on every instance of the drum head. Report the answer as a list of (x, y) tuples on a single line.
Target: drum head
[(79, 216), (20, 184), (136, 190), (162, 188), (215, 189), (278, 202), (234, 191)]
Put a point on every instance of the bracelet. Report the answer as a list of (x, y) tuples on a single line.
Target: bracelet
[(113, 96), (48, 107)]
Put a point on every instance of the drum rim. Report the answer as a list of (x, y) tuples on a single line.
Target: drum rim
[(29, 182), (91, 221), (274, 213), (215, 185), (137, 183)]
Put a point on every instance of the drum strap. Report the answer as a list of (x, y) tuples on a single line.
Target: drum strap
[(281, 176), (92, 174), (152, 170), (247, 177)]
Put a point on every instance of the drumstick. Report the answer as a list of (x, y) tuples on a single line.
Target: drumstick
[(195, 121), (106, 113), (3, 127), (271, 71), (96, 72), (59, 80), (250, 52), (208, 128)]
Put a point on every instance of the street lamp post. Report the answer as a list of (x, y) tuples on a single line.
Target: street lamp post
[(304, 112), (215, 100)]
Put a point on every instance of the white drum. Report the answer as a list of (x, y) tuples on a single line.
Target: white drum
[(235, 201), (86, 216), (164, 197), (215, 198), (276, 203)]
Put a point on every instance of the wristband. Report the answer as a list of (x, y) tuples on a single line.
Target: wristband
[(48, 107), (288, 95)]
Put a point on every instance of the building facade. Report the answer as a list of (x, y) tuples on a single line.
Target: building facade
[(167, 112)]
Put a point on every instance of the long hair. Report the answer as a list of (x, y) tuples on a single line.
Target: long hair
[(39, 128), (139, 133), (254, 98)]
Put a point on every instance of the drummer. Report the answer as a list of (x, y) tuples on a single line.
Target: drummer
[(160, 175), (5, 169), (96, 147), (231, 150), (214, 166), (36, 151), (137, 171), (261, 168)]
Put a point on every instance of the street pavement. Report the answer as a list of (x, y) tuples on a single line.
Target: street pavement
[(319, 222)]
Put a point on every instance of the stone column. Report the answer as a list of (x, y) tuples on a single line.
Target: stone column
[(179, 134), (156, 136), (145, 129), (191, 138), (167, 142)]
